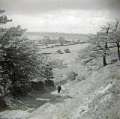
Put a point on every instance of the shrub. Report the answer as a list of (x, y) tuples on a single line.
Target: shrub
[(113, 61), (59, 51), (20, 88), (39, 85), (72, 75), (67, 51), (49, 83), (3, 104)]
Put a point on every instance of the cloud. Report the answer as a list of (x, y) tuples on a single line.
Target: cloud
[(38, 6), (72, 21), (81, 16)]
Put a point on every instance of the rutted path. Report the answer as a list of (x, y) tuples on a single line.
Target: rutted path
[(78, 95), (73, 100), (97, 96)]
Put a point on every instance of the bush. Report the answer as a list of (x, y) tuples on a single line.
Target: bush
[(57, 63), (49, 83), (3, 104), (67, 51), (20, 88), (72, 75), (113, 61), (60, 52), (40, 85)]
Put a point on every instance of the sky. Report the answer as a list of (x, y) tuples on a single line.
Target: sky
[(69, 16)]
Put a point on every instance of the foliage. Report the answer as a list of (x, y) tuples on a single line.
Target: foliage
[(105, 43), (67, 50), (61, 40), (60, 52), (20, 62)]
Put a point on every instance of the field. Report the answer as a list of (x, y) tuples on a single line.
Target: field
[(91, 94), (65, 60)]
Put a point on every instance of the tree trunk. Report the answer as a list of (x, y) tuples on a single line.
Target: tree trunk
[(118, 50), (104, 55), (106, 45), (104, 60)]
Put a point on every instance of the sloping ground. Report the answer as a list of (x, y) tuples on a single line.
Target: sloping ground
[(106, 100), (15, 114), (97, 97), (69, 59)]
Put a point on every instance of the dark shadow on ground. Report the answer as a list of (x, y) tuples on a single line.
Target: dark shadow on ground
[(36, 99)]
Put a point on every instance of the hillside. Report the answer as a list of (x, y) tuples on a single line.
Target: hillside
[(94, 94), (95, 97)]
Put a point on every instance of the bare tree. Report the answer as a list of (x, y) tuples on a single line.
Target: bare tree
[(101, 43), (114, 37), (106, 30)]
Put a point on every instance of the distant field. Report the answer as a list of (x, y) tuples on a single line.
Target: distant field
[(70, 37), (64, 61), (68, 59)]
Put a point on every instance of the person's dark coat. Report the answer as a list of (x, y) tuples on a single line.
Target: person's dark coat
[(59, 88)]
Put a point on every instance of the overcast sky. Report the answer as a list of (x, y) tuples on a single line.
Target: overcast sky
[(77, 16)]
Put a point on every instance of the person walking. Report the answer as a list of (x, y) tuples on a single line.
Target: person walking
[(59, 88)]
